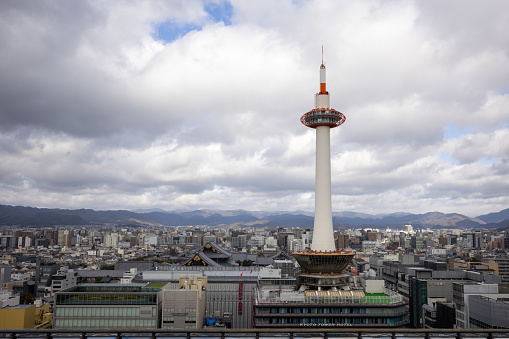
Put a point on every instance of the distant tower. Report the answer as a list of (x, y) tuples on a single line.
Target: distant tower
[(323, 265), (323, 118)]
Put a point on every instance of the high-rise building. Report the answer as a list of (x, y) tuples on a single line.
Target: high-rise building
[(343, 241), (5, 274), (65, 238), (199, 236), (8, 241)]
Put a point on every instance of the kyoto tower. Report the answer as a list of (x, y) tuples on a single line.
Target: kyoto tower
[(323, 257)]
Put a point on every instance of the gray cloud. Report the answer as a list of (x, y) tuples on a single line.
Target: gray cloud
[(96, 112)]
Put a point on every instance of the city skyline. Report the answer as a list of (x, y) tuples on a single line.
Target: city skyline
[(196, 104)]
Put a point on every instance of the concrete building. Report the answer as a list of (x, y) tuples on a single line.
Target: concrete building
[(463, 292), (17, 317), (503, 267), (429, 316), (199, 236), (376, 262), (343, 241), (8, 241), (488, 312), (229, 293), (412, 285), (151, 239), (209, 238), (65, 238), (474, 240), (128, 276), (439, 315), (5, 274), (111, 240), (43, 278), (257, 241), (62, 280), (7, 298), (184, 308), (391, 269)]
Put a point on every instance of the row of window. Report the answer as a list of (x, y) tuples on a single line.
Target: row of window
[(106, 299), (105, 323), (102, 312), (172, 309), (330, 310), (320, 120), (323, 112), (480, 324), (381, 321), (187, 327), (172, 319)]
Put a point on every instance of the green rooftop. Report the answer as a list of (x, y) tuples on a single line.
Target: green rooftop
[(156, 285)]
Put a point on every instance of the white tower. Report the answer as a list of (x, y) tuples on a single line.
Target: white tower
[(323, 118), (323, 260)]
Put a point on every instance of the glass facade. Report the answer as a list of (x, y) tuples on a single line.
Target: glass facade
[(323, 117), (106, 306), (334, 316), (105, 317), (106, 299)]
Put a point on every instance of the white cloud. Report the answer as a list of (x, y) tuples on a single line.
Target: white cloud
[(99, 113), (473, 147)]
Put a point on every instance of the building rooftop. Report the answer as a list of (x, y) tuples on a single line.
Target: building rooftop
[(329, 297), (87, 288), (18, 307)]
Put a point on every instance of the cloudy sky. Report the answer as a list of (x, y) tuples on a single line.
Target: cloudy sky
[(196, 104)]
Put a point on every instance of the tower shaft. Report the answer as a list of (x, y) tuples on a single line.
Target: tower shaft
[(323, 234)]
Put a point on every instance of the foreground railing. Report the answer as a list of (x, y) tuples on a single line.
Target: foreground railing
[(279, 333)]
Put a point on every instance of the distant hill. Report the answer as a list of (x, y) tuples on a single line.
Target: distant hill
[(30, 216), (495, 217), (503, 225)]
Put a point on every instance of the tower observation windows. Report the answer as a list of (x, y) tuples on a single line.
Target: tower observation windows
[(323, 117)]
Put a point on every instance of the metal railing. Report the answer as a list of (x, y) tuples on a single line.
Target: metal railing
[(221, 333)]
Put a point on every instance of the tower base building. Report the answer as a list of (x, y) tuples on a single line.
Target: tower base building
[(277, 306)]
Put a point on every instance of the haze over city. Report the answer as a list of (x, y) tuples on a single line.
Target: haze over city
[(196, 104)]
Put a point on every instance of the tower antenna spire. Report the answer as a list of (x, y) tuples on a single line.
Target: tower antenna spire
[(322, 55)]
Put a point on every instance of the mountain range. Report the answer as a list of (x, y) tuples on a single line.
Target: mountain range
[(31, 216)]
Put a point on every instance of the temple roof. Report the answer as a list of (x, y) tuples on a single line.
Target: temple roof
[(201, 259), (213, 250), (211, 255)]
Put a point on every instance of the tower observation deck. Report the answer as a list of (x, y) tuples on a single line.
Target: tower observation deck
[(323, 256)]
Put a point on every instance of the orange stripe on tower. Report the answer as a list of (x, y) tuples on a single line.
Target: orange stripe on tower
[(322, 88)]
